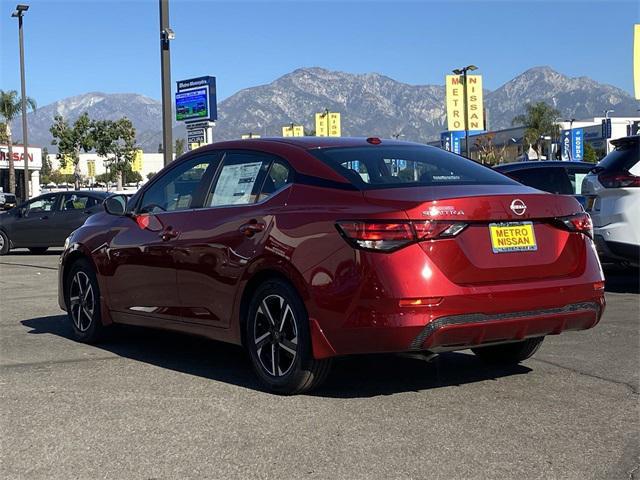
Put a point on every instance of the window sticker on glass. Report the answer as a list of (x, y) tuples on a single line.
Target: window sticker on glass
[(235, 184)]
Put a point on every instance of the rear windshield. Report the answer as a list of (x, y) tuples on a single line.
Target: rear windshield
[(624, 157), (406, 166)]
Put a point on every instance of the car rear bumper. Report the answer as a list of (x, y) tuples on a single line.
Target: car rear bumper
[(465, 321), (463, 331)]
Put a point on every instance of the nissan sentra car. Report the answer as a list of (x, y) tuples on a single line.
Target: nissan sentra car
[(305, 249)]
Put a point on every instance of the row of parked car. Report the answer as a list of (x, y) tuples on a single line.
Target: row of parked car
[(608, 191)]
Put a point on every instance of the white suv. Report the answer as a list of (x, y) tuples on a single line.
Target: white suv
[(612, 190)]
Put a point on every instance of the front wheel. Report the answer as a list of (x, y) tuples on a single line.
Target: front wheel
[(509, 353), (4, 243), (278, 340), (82, 296)]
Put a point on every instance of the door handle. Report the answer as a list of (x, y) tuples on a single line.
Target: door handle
[(251, 228), (168, 234), (44, 217)]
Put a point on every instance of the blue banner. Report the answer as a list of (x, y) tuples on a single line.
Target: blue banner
[(572, 145)]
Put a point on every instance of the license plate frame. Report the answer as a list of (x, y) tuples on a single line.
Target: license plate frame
[(528, 246)]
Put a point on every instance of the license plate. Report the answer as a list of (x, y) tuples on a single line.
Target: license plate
[(512, 237)]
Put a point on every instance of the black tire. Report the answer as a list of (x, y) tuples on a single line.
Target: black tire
[(509, 353), (38, 250), (270, 336), (83, 306), (4, 243)]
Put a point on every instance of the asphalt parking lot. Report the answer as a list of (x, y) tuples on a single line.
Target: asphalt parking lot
[(158, 405)]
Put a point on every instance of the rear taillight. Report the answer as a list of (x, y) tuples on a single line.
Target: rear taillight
[(618, 180), (578, 223), (389, 236)]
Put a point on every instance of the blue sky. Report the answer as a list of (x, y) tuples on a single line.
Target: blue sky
[(75, 47)]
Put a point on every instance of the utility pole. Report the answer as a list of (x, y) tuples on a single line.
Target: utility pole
[(606, 127), (463, 71), (19, 13), (166, 35)]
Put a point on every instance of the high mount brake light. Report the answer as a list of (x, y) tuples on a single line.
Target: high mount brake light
[(388, 236), (618, 180), (578, 223)]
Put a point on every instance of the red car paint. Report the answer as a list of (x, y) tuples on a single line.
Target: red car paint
[(193, 270)]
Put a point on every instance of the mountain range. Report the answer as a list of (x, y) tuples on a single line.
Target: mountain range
[(371, 104)]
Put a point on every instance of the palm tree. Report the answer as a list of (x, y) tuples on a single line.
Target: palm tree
[(539, 122), (10, 107)]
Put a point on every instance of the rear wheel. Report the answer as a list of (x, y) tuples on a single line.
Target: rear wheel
[(4, 243), (279, 343), (38, 250), (82, 296), (509, 353)]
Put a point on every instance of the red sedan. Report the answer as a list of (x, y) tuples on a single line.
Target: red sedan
[(304, 249)]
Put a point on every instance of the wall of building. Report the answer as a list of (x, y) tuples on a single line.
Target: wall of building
[(151, 163)]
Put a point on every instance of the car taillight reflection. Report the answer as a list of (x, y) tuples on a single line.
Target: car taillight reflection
[(619, 180)]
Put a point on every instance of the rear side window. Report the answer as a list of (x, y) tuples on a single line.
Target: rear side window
[(406, 166), (623, 158)]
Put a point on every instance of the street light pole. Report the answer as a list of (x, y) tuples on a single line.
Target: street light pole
[(166, 35), (19, 13), (463, 71), (606, 126)]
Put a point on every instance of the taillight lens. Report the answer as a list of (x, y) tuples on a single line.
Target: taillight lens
[(618, 180), (389, 236), (578, 223)]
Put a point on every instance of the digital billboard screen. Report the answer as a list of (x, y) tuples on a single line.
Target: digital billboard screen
[(192, 105)]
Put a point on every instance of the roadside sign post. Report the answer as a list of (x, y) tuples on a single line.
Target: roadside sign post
[(196, 105)]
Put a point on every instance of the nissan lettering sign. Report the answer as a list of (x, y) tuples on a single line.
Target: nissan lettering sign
[(35, 157)]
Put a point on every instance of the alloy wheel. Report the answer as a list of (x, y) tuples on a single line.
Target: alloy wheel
[(1, 242), (81, 301), (275, 335)]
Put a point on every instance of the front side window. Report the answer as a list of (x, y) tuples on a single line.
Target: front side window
[(406, 166), (177, 189), (44, 204), (240, 179)]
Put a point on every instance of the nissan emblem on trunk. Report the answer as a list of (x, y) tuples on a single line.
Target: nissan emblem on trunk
[(518, 207)]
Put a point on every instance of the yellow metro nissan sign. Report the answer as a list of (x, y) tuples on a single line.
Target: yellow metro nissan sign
[(636, 60), (456, 102)]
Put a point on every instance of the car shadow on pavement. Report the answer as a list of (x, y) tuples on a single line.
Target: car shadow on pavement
[(351, 377)]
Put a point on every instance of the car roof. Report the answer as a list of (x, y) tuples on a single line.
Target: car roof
[(307, 143), (541, 164), (625, 142), (97, 193)]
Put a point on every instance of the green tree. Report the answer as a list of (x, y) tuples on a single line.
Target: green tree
[(539, 122), (45, 171), (590, 154), (10, 107), (179, 147), (3, 133), (71, 141), (128, 176), (150, 175), (116, 142)]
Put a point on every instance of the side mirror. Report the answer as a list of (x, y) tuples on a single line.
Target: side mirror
[(115, 205)]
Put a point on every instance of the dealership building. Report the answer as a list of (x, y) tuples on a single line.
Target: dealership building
[(509, 143), (34, 164)]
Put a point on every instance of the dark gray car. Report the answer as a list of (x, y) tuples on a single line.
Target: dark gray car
[(46, 221)]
